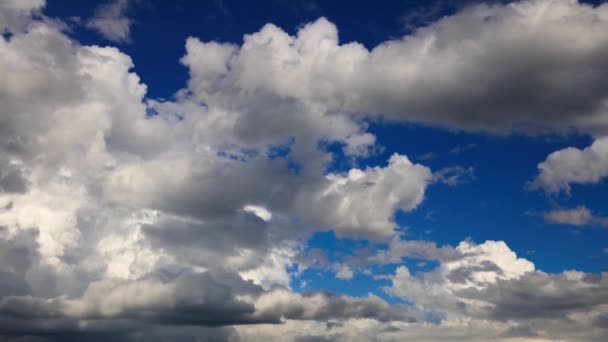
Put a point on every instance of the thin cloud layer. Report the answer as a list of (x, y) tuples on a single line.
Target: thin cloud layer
[(579, 216), (111, 21)]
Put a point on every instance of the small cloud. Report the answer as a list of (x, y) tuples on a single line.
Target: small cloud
[(579, 216), (258, 211), (343, 272), (460, 149), (111, 22), (455, 175), (427, 156)]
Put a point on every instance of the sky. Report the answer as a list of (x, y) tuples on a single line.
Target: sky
[(303, 170)]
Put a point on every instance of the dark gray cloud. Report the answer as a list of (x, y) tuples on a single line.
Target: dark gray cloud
[(12, 180), (338, 307), (128, 309), (462, 275), (539, 295), (207, 243)]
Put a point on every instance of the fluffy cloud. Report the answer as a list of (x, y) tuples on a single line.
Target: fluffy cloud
[(573, 166), (554, 84), (471, 266), (143, 219), (95, 243), (362, 202), (344, 272), (15, 14), (488, 282)]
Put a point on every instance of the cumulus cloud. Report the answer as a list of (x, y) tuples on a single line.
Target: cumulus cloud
[(552, 85), (111, 21), (362, 202), (573, 166), (144, 219), (15, 14), (117, 249), (344, 272), (472, 267), (488, 281)]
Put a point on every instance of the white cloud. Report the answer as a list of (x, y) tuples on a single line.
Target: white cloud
[(573, 166), (16, 14), (344, 272), (488, 284), (115, 220), (509, 266), (552, 86), (362, 202), (472, 267), (258, 211)]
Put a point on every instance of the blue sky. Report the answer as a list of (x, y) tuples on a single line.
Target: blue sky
[(437, 154)]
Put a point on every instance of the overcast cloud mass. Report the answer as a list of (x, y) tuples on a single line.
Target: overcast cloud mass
[(130, 217)]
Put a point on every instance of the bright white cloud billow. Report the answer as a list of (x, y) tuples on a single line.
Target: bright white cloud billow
[(402, 79), (149, 219)]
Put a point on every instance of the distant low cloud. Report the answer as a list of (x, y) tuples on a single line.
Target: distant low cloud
[(344, 272), (579, 216)]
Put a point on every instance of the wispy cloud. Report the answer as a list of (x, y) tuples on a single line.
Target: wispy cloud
[(111, 21)]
